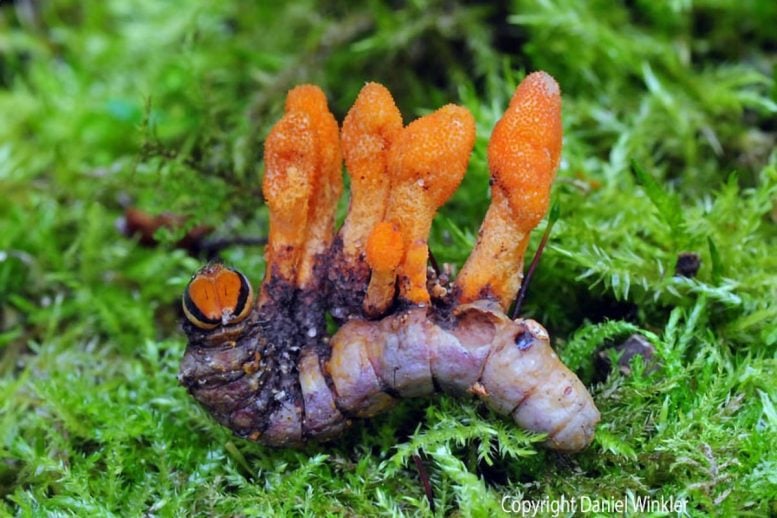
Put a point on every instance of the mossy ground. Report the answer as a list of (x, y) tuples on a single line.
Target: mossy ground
[(670, 113)]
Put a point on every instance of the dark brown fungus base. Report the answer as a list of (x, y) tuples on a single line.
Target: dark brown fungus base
[(347, 284)]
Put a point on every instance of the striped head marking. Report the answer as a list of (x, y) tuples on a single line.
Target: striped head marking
[(217, 295)]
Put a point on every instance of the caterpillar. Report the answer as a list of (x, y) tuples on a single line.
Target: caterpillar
[(264, 365)]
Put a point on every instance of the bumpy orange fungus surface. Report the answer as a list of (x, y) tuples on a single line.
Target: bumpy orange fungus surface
[(385, 251), (369, 130), (412, 281), (400, 177), (290, 159), (525, 147), (523, 155), (384, 247), (433, 151), (426, 165), (327, 182)]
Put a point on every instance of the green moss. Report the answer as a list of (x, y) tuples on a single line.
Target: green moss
[(669, 113)]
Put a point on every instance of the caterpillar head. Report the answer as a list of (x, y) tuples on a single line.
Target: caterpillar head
[(216, 303), (217, 295)]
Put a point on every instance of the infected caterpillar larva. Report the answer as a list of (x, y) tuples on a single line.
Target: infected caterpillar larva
[(268, 370)]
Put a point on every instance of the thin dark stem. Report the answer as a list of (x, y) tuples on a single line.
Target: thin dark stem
[(424, 476), (554, 212), (434, 263)]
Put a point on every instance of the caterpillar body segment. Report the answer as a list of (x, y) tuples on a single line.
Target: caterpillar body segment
[(509, 365), (270, 372)]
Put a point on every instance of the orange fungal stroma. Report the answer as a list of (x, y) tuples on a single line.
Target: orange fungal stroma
[(426, 165), (290, 164), (369, 130), (327, 177), (525, 148), (523, 154)]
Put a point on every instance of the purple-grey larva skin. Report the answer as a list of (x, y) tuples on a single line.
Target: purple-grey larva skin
[(507, 364), (256, 381)]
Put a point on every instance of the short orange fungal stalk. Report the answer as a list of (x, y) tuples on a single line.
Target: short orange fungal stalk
[(523, 155), (384, 253), (426, 165)]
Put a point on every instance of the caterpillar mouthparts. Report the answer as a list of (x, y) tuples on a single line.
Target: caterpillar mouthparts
[(268, 370)]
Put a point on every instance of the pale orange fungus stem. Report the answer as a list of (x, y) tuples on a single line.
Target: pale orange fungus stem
[(384, 253), (523, 155)]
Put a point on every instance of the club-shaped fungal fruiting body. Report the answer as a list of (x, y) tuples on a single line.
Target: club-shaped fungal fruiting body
[(269, 371)]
